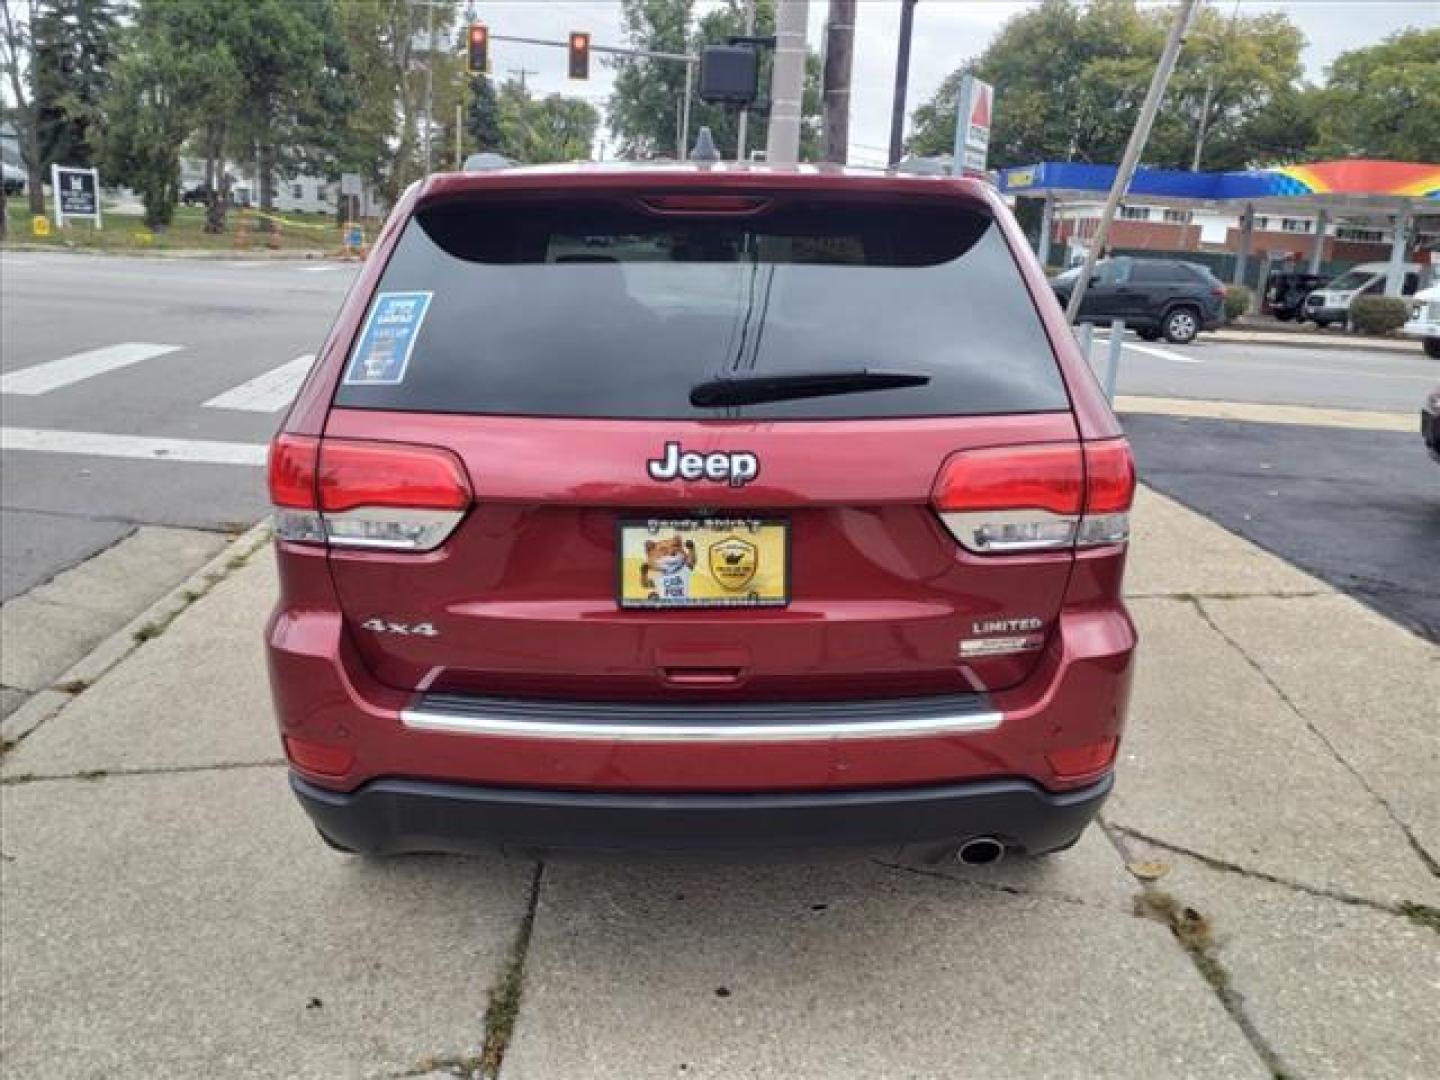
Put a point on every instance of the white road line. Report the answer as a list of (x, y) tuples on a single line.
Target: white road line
[(317, 269), (139, 447), (1151, 350), (53, 374), (1164, 354), (269, 392)]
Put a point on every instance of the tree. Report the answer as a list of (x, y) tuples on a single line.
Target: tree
[(291, 59), (483, 121), (1230, 72), (73, 47), (1081, 103), (646, 104), (1381, 101), (554, 128), (151, 106), (17, 58), (385, 134)]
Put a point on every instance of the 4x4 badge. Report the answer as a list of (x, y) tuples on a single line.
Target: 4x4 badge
[(737, 468)]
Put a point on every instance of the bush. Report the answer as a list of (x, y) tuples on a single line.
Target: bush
[(1378, 314), (1237, 302)]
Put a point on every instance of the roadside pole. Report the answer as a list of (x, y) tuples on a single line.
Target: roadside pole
[(1184, 11), (429, 83), (839, 54), (902, 80), (744, 123), (787, 84)]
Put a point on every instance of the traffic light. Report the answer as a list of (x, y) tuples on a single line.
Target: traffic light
[(478, 56), (579, 55)]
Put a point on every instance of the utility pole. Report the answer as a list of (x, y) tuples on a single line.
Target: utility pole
[(1183, 13), (521, 72), (839, 55), (902, 79), (787, 83), (744, 123), (429, 83)]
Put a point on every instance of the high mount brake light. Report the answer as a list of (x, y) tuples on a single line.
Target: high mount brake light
[(705, 204), (1046, 497), (349, 493)]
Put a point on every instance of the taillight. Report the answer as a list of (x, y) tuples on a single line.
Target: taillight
[(1045, 497), (1109, 490), (349, 493)]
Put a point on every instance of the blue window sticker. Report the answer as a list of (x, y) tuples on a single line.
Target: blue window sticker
[(388, 339)]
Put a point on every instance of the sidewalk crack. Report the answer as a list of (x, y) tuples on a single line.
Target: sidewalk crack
[(1194, 933), (1426, 859), (1228, 867), (503, 1008), (154, 770)]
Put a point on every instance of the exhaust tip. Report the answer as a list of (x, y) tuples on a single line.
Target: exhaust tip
[(982, 851)]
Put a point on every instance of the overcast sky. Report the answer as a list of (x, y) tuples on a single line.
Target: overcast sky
[(946, 33)]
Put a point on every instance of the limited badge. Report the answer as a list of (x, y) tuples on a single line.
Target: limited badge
[(733, 562)]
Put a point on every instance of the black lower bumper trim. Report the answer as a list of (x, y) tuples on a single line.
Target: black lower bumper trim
[(397, 816)]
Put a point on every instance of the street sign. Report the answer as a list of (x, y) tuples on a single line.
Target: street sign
[(77, 193), (972, 125), (351, 183)]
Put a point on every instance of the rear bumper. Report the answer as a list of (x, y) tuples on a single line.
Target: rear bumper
[(388, 817)]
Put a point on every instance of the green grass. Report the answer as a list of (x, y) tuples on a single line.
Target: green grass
[(127, 232)]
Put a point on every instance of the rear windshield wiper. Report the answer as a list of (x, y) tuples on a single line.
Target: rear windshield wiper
[(754, 389)]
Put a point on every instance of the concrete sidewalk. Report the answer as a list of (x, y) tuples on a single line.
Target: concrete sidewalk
[(1263, 899)]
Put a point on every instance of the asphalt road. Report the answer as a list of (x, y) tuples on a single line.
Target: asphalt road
[(212, 326), (1358, 509), (1273, 374)]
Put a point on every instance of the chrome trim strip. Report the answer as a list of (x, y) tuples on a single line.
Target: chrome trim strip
[(506, 727)]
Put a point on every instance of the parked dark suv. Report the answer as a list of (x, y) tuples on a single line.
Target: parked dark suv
[(1155, 297), (700, 507)]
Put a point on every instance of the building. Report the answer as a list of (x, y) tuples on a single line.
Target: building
[(1147, 227), (298, 194)]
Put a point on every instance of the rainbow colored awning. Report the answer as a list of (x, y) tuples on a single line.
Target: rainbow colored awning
[(1366, 183)]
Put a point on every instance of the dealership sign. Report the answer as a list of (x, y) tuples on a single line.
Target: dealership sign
[(972, 125), (77, 193)]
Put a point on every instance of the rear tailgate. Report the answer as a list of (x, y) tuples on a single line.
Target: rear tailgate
[(554, 347)]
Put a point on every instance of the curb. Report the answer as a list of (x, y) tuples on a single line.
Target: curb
[(1312, 341), (198, 254), (89, 669)]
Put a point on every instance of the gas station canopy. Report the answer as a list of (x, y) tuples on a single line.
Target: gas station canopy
[(1401, 191), (1344, 188)]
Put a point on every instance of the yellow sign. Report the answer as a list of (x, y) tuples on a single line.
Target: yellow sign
[(703, 562), (40, 225), (1020, 178)]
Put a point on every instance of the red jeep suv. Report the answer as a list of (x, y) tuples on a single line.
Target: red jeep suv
[(700, 507)]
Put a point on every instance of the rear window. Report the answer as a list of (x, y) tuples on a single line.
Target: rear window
[(608, 309)]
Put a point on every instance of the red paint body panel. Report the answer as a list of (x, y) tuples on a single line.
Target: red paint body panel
[(523, 592)]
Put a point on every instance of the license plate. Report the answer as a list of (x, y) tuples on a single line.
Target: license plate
[(704, 562)]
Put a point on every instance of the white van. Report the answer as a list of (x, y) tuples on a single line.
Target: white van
[(1331, 303), (1424, 322)]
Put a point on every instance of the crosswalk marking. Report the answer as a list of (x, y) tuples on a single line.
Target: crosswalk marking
[(269, 392), (140, 447), (53, 374)]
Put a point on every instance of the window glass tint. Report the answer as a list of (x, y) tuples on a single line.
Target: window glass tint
[(1160, 273), (605, 309)]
